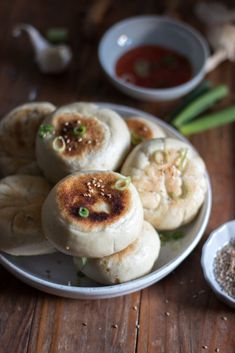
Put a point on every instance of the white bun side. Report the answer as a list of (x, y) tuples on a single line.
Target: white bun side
[(135, 261), (21, 199), (114, 220)]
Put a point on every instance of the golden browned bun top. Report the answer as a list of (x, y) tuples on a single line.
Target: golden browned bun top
[(96, 193), (81, 134), (139, 128)]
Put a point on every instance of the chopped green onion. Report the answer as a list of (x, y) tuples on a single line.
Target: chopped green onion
[(80, 130), (168, 59), (171, 235), (142, 68), (183, 156), (59, 144), (57, 35), (122, 183), (209, 121), (45, 130), (136, 139), (83, 212), (200, 104), (83, 261)]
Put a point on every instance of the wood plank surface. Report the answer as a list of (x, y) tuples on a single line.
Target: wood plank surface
[(178, 314)]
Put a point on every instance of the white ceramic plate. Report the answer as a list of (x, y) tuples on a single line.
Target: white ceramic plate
[(56, 274)]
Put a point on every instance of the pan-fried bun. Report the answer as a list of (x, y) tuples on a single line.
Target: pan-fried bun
[(21, 199), (171, 180), (18, 130), (86, 215), (91, 138), (142, 129), (132, 262)]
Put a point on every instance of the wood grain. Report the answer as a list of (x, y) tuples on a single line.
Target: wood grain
[(178, 314)]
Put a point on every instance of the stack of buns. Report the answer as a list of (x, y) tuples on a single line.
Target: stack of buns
[(62, 192)]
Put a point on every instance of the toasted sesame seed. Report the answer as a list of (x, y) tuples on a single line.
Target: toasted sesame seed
[(67, 248), (69, 149), (80, 139), (89, 142), (88, 183), (115, 326), (166, 301), (102, 193), (68, 140), (137, 326), (224, 318), (67, 123), (217, 350), (84, 324), (135, 308), (100, 180), (109, 196), (204, 347), (167, 313)]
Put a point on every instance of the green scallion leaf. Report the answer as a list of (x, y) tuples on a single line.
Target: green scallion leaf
[(59, 144), (57, 35), (83, 212), (79, 131), (142, 68), (122, 183), (45, 130), (168, 59), (183, 156), (83, 261), (171, 235), (136, 139)]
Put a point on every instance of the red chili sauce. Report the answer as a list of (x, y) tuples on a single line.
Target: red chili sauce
[(153, 66)]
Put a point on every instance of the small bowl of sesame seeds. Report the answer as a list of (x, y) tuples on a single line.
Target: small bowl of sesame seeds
[(218, 262)]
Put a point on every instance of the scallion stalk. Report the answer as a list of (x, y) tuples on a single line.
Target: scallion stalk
[(209, 121), (199, 105), (202, 88)]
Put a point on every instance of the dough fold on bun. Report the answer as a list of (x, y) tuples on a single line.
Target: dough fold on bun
[(135, 261), (171, 180), (21, 199), (92, 214), (82, 136)]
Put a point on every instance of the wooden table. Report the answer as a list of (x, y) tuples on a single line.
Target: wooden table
[(35, 322)]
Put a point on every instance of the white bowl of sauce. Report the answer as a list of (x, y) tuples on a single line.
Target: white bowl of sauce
[(153, 58)]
